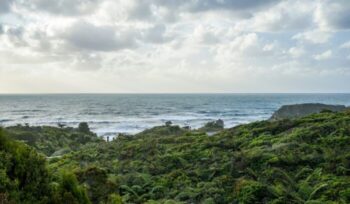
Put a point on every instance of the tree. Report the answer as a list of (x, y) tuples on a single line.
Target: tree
[(84, 127), (168, 123)]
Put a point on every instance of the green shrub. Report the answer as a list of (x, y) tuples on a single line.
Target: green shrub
[(249, 191), (83, 127)]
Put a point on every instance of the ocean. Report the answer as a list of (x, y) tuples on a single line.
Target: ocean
[(109, 114)]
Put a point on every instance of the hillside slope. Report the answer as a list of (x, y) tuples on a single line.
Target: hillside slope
[(53, 141), (305, 160)]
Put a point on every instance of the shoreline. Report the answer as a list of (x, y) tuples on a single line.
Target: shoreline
[(112, 130), (131, 114), (174, 164)]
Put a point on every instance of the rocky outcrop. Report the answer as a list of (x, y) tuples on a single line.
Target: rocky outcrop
[(300, 110), (213, 126)]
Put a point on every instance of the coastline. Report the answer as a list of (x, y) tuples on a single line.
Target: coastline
[(290, 160), (132, 113)]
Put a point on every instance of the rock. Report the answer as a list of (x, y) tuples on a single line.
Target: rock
[(213, 126), (187, 127), (300, 110), (162, 131)]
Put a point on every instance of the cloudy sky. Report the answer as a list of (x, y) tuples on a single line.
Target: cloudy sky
[(157, 46)]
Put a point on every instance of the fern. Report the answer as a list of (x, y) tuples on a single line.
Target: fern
[(317, 189)]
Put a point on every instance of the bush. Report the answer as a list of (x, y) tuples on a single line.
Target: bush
[(248, 191), (24, 177), (70, 191), (84, 127)]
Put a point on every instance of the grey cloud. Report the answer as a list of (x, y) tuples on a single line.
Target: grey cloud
[(210, 38), (85, 35), (156, 34), (15, 36), (206, 5), (144, 9), (62, 7), (234, 5), (141, 10), (340, 20), (86, 61), (21, 36), (335, 14), (285, 22), (5, 6), (147, 10)]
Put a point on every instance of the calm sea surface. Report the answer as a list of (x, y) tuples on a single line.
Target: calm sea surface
[(108, 114)]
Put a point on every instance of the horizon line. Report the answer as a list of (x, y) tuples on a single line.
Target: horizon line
[(168, 93)]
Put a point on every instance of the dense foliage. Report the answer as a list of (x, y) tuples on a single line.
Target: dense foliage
[(304, 160), (24, 177), (290, 161), (53, 141)]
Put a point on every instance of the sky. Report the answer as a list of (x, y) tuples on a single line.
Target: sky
[(174, 46)]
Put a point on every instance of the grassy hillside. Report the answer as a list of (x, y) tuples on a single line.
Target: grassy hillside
[(305, 160)]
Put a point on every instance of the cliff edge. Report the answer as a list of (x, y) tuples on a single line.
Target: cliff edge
[(300, 110)]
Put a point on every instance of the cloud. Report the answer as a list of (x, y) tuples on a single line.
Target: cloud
[(296, 52), (333, 15), (168, 11), (207, 34), (313, 36), (87, 62), (5, 6), (234, 5), (247, 50), (14, 37), (238, 50), (61, 7), (214, 45), (286, 16), (323, 56), (205, 5), (144, 10), (84, 35), (156, 34), (345, 45)]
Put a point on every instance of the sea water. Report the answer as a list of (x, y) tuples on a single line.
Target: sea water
[(109, 114)]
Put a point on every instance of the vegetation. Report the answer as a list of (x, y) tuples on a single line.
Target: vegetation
[(24, 177), (213, 126), (305, 160), (53, 141)]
